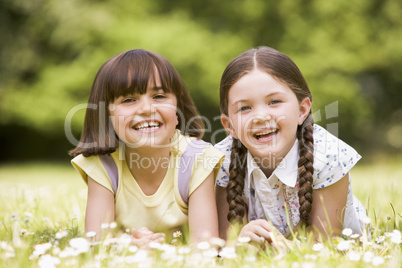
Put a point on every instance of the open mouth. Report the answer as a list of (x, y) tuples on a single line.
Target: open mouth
[(147, 125), (266, 134)]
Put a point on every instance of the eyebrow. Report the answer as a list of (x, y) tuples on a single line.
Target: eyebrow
[(266, 96)]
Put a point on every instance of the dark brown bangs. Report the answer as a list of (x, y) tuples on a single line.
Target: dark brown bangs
[(131, 72), (170, 79)]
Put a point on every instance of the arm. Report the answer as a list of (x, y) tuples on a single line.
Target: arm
[(223, 209), (259, 231), (262, 232), (254, 229), (329, 204), (100, 207), (202, 213)]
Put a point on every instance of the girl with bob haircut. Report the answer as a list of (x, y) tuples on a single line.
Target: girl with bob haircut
[(281, 170), (141, 155)]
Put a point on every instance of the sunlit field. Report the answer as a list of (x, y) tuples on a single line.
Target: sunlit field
[(42, 209)]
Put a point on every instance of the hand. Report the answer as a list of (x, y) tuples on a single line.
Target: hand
[(262, 232), (143, 236)]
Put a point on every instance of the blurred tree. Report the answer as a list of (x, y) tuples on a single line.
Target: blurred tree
[(348, 51), (48, 67)]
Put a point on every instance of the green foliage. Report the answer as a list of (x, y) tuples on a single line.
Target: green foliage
[(78, 37), (348, 51)]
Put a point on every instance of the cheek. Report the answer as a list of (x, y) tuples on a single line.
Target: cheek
[(120, 123), (244, 122), (241, 126), (171, 114)]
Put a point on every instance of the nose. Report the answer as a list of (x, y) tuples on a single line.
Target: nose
[(145, 105), (262, 115)]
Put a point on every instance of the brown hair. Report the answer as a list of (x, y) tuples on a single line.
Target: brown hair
[(282, 68), (126, 73)]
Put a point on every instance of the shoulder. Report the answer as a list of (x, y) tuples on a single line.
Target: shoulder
[(198, 159), (91, 162), (196, 156), (225, 147), (225, 144), (193, 146), (333, 158), (85, 163), (92, 167)]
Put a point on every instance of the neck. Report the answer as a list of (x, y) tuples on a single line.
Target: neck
[(269, 164), (148, 162)]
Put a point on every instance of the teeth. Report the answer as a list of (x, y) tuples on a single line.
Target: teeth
[(265, 133), (147, 125)]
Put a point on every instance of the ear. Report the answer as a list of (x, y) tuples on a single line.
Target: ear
[(227, 124), (304, 109), (177, 119)]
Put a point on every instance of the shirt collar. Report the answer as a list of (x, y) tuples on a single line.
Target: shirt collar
[(286, 171)]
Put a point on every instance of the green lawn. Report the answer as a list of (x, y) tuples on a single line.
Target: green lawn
[(378, 186), (42, 209)]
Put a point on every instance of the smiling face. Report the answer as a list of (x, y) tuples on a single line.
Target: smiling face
[(147, 119), (264, 114)]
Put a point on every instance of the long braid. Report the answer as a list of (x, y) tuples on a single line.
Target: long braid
[(234, 189), (283, 69), (305, 168)]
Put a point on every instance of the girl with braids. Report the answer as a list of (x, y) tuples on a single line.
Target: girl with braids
[(281, 170)]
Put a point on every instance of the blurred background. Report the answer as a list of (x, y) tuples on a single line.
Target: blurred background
[(350, 53)]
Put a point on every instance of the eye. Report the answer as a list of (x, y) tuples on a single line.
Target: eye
[(128, 100), (272, 102), (159, 96), (244, 108)]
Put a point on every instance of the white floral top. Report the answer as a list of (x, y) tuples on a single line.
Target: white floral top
[(269, 198)]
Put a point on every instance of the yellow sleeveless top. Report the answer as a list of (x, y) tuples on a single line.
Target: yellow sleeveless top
[(165, 209)]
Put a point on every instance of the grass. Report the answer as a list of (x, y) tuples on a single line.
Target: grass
[(42, 210)]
